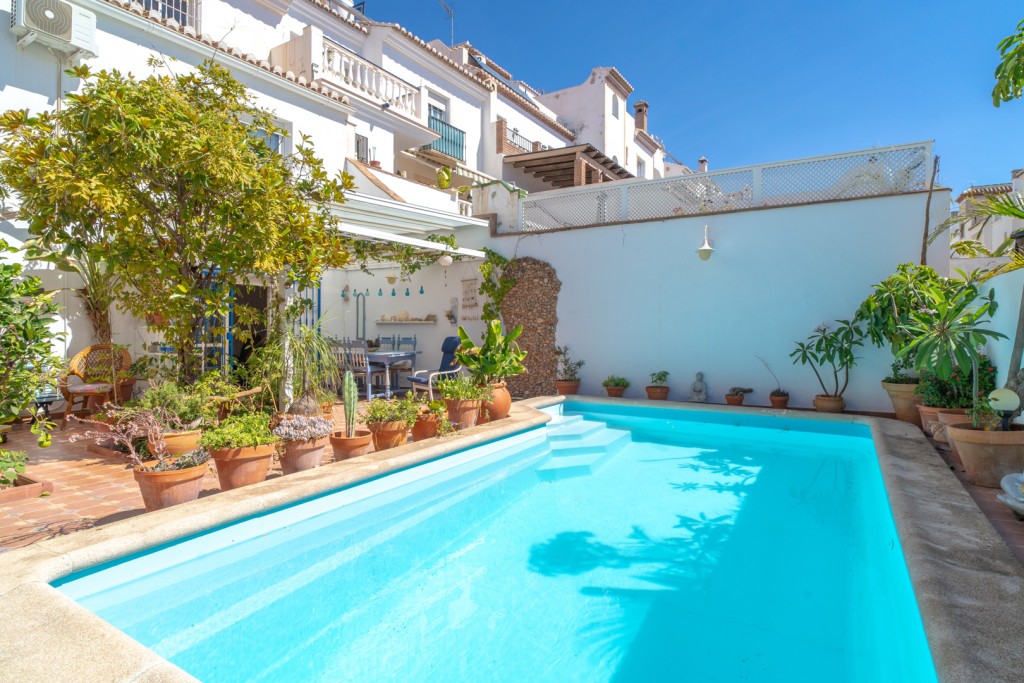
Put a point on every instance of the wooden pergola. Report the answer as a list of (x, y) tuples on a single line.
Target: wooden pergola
[(570, 166)]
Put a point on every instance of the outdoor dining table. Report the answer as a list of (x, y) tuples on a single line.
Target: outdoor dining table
[(387, 359)]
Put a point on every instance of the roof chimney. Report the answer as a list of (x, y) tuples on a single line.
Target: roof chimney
[(702, 165), (641, 115)]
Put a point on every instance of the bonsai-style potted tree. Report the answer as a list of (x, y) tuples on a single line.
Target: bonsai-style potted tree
[(350, 442), (242, 447), (831, 352), (389, 420), (615, 386), (567, 379), (463, 398), (497, 358), (734, 397), (164, 479), (779, 397), (657, 390), (303, 439)]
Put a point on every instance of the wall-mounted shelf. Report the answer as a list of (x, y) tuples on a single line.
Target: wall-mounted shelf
[(407, 322)]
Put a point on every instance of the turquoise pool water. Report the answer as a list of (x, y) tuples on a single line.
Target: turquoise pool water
[(615, 544)]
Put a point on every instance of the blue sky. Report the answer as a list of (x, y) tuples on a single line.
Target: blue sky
[(746, 82)]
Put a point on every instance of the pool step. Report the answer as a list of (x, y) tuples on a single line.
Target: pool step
[(573, 430), (580, 456), (559, 420)]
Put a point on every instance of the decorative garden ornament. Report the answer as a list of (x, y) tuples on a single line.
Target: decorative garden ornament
[(699, 390)]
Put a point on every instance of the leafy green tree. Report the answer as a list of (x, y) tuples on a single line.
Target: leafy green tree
[(171, 180), (1010, 72)]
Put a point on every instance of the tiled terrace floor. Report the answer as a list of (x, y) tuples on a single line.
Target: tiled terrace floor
[(90, 490)]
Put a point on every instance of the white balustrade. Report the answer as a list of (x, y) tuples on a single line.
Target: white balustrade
[(352, 72)]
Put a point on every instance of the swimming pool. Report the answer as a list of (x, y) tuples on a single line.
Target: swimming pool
[(617, 543)]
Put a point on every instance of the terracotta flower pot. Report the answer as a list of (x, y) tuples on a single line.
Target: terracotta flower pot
[(989, 456), (929, 416), (237, 467), (734, 399), (178, 443), (124, 390), (425, 427), (615, 392), (302, 455), (501, 402), (163, 489), (779, 402), (567, 388), (829, 404), (948, 419), (657, 393), (904, 401), (939, 427), (463, 413), (388, 434), (346, 447)]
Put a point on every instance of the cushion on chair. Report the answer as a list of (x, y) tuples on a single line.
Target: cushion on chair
[(94, 388)]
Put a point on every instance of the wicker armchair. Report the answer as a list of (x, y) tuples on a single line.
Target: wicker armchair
[(98, 367)]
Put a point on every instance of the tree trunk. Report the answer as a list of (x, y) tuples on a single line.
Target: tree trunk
[(99, 316), (1018, 345), (927, 213)]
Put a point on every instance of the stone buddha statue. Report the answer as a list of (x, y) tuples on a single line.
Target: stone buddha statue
[(699, 390)]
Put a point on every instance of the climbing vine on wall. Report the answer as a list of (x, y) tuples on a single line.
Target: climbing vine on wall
[(494, 283)]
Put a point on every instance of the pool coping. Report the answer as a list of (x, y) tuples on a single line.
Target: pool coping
[(968, 584)]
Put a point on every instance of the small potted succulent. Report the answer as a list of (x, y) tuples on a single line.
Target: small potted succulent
[(779, 397), (615, 386), (303, 440), (389, 420), (657, 390), (164, 479), (180, 413), (350, 442), (734, 396), (431, 421), (463, 398), (242, 447), (567, 381)]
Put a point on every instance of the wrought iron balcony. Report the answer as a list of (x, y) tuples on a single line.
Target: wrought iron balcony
[(452, 142)]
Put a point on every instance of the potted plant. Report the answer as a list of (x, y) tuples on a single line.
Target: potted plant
[(567, 380), (831, 351), (303, 440), (242, 446), (463, 398), (886, 314), (734, 397), (497, 358), (181, 415), (779, 397), (431, 421), (350, 442), (389, 421), (615, 386), (952, 397), (164, 479), (657, 390), (988, 449)]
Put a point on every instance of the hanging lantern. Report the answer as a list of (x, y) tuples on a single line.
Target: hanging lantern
[(445, 261), (706, 250)]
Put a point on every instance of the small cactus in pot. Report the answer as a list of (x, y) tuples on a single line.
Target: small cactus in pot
[(350, 442)]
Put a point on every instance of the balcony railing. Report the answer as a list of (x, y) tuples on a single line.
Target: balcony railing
[(869, 173), (452, 141), (352, 72), (513, 136)]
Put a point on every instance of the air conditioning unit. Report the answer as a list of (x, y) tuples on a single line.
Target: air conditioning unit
[(56, 24)]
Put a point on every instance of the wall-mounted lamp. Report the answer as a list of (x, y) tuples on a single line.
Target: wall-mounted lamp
[(706, 250), (1005, 402), (445, 261)]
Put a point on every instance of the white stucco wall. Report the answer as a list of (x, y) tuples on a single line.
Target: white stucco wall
[(636, 299), (1007, 289)]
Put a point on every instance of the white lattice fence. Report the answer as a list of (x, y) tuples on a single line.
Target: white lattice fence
[(870, 173)]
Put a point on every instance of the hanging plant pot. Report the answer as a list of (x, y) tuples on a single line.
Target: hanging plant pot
[(657, 393), (388, 434), (237, 467), (346, 447), (829, 404), (302, 455), (566, 387), (172, 487)]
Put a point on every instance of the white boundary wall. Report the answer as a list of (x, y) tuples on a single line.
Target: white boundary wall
[(636, 299)]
